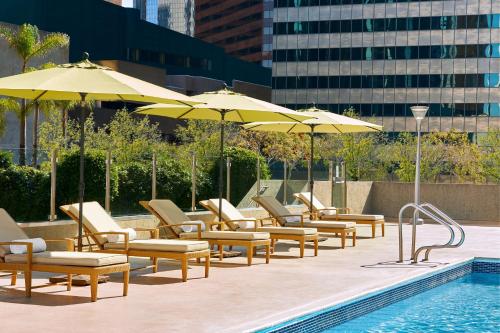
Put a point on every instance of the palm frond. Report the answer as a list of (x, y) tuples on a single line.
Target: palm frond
[(49, 43)]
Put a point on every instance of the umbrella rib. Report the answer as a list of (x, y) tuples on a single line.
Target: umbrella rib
[(239, 115), (185, 113), (39, 96), (291, 128), (334, 126)]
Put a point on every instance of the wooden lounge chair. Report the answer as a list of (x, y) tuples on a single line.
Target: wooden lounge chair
[(98, 225), (287, 219), (237, 222), (173, 218), (334, 213), (65, 262)]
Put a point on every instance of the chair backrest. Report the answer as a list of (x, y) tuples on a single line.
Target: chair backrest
[(169, 212), (305, 197), (9, 231), (95, 219), (229, 212), (273, 207)]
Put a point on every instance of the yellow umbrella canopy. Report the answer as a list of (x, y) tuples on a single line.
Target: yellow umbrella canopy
[(323, 122), (225, 105), (84, 81)]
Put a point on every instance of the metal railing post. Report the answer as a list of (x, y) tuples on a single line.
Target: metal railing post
[(228, 179), (285, 181), (193, 182), (153, 178), (258, 178), (107, 197), (53, 175)]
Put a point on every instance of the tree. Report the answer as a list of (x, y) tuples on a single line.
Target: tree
[(490, 157), (28, 45)]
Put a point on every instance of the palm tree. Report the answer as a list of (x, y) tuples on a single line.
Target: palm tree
[(28, 45)]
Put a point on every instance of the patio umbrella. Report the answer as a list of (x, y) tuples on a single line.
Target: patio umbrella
[(225, 105), (86, 81), (323, 122)]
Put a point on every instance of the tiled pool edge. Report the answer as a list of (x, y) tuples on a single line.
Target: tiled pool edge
[(318, 321)]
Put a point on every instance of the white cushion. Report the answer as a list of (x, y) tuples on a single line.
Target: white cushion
[(292, 219), (360, 217), (132, 234), (286, 230), (169, 212), (193, 228), (231, 213), (331, 211), (68, 258), (325, 224), (228, 235), (96, 219), (167, 245), (39, 245), (9, 230)]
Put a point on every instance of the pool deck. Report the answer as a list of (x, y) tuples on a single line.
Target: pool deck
[(235, 298)]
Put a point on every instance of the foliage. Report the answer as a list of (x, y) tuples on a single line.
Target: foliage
[(5, 159), (25, 192), (490, 157), (243, 172)]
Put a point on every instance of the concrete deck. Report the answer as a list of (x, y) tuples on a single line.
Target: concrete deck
[(235, 298)]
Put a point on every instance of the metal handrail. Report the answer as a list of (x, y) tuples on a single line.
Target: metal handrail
[(430, 211), (450, 221)]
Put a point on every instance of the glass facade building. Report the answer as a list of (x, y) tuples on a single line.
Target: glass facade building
[(176, 15), (383, 56)]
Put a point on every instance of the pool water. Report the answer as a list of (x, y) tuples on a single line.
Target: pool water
[(468, 304)]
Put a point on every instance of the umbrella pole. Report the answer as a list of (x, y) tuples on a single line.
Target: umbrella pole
[(221, 167), (311, 179), (82, 179)]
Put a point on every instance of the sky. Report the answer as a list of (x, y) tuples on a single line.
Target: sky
[(127, 3)]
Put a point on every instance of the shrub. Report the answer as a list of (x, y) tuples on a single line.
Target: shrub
[(25, 193), (243, 172), (68, 177), (5, 159), (134, 184)]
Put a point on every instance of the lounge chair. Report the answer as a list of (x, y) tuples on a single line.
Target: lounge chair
[(173, 218), (333, 213), (99, 226), (237, 222), (66, 262), (287, 219)]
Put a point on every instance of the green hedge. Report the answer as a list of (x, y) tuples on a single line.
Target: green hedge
[(5, 159), (243, 172), (25, 193)]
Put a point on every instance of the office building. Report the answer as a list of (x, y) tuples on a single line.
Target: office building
[(381, 57), (176, 15), (242, 27)]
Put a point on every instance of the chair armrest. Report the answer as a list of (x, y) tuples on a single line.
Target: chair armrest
[(272, 219), (125, 236), (70, 245), (211, 224), (29, 249), (296, 215), (153, 232), (198, 227), (244, 220), (347, 210)]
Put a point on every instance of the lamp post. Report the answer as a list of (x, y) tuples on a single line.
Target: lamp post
[(419, 113)]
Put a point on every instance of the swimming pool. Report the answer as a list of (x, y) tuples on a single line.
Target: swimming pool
[(464, 297)]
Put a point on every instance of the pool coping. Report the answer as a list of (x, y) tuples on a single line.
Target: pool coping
[(291, 321)]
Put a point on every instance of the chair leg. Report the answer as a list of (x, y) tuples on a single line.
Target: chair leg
[(184, 267), (27, 282), (155, 264), (126, 277), (207, 265), (198, 260), (13, 278), (94, 280), (249, 254), (383, 229), (273, 242), (342, 235), (268, 253), (69, 282), (302, 245), (221, 252), (354, 238), (373, 230), (316, 245)]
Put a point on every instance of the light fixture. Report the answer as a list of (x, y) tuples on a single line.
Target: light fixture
[(419, 112)]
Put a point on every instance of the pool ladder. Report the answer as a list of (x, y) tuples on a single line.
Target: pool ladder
[(434, 214)]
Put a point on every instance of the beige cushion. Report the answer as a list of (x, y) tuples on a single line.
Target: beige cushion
[(96, 219), (167, 245), (274, 207), (9, 231), (234, 235), (229, 212), (67, 258), (324, 224), (285, 231), (357, 217), (169, 212), (305, 197)]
